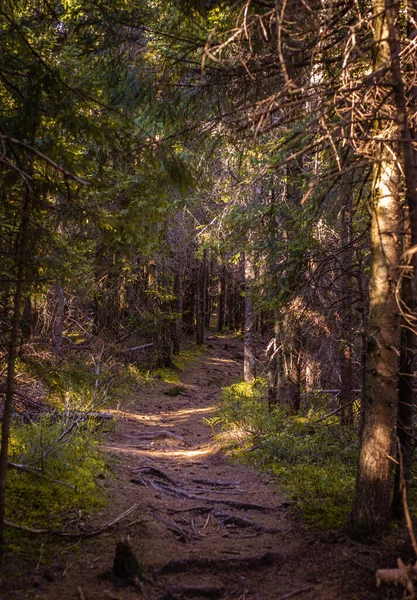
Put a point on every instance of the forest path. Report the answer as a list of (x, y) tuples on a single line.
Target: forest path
[(204, 527)]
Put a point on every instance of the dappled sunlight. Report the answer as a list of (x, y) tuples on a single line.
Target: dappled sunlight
[(160, 418), (175, 454)]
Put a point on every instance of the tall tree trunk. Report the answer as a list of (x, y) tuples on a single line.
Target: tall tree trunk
[(371, 507), (289, 392), (58, 319), (221, 296), (408, 158), (22, 246), (199, 329), (249, 361), (176, 327)]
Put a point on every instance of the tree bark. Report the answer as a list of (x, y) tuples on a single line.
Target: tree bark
[(11, 359), (406, 105), (371, 507), (221, 296), (249, 361), (58, 319)]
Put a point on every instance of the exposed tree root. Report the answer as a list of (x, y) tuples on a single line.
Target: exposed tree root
[(228, 519), (249, 562), (214, 483), (175, 491), (172, 593)]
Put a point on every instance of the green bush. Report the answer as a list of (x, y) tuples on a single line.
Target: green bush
[(63, 462), (314, 462)]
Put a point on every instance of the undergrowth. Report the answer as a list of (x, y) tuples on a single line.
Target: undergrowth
[(314, 462)]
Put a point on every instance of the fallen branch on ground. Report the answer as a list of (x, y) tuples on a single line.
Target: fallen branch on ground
[(70, 534), (175, 528)]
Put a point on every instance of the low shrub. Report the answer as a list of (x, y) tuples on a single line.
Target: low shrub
[(314, 462)]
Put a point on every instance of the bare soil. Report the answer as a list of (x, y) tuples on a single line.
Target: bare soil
[(203, 527)]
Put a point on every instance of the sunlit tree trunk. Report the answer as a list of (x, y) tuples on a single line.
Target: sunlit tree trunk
[(371, 507), (249, 363), (406, 107)]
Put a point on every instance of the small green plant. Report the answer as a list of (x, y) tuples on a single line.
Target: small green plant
[(314, 462), (57, 463)]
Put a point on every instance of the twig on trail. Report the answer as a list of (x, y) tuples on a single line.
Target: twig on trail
[(175, 528), (294, 593), (207, 520), (229, 519), (81, 593), (197, 591), (82, 534), (258, 560)]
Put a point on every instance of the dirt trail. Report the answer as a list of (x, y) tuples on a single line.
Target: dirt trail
[(204, 527)]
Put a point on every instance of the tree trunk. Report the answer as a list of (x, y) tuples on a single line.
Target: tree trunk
[(221, 296), (405, 107), (58, 319), (249, 362), (11, 359), (289, 393), (199, 329), (176, 327), (371, 507)]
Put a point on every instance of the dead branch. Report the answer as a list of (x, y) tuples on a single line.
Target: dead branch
[(66, 534), (335, 411), (175, 528), (223, 563), (39, 473), (136, 348)]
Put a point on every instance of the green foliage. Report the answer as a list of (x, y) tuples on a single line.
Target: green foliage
[(184, 358), (315, 463), (63, 467)]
